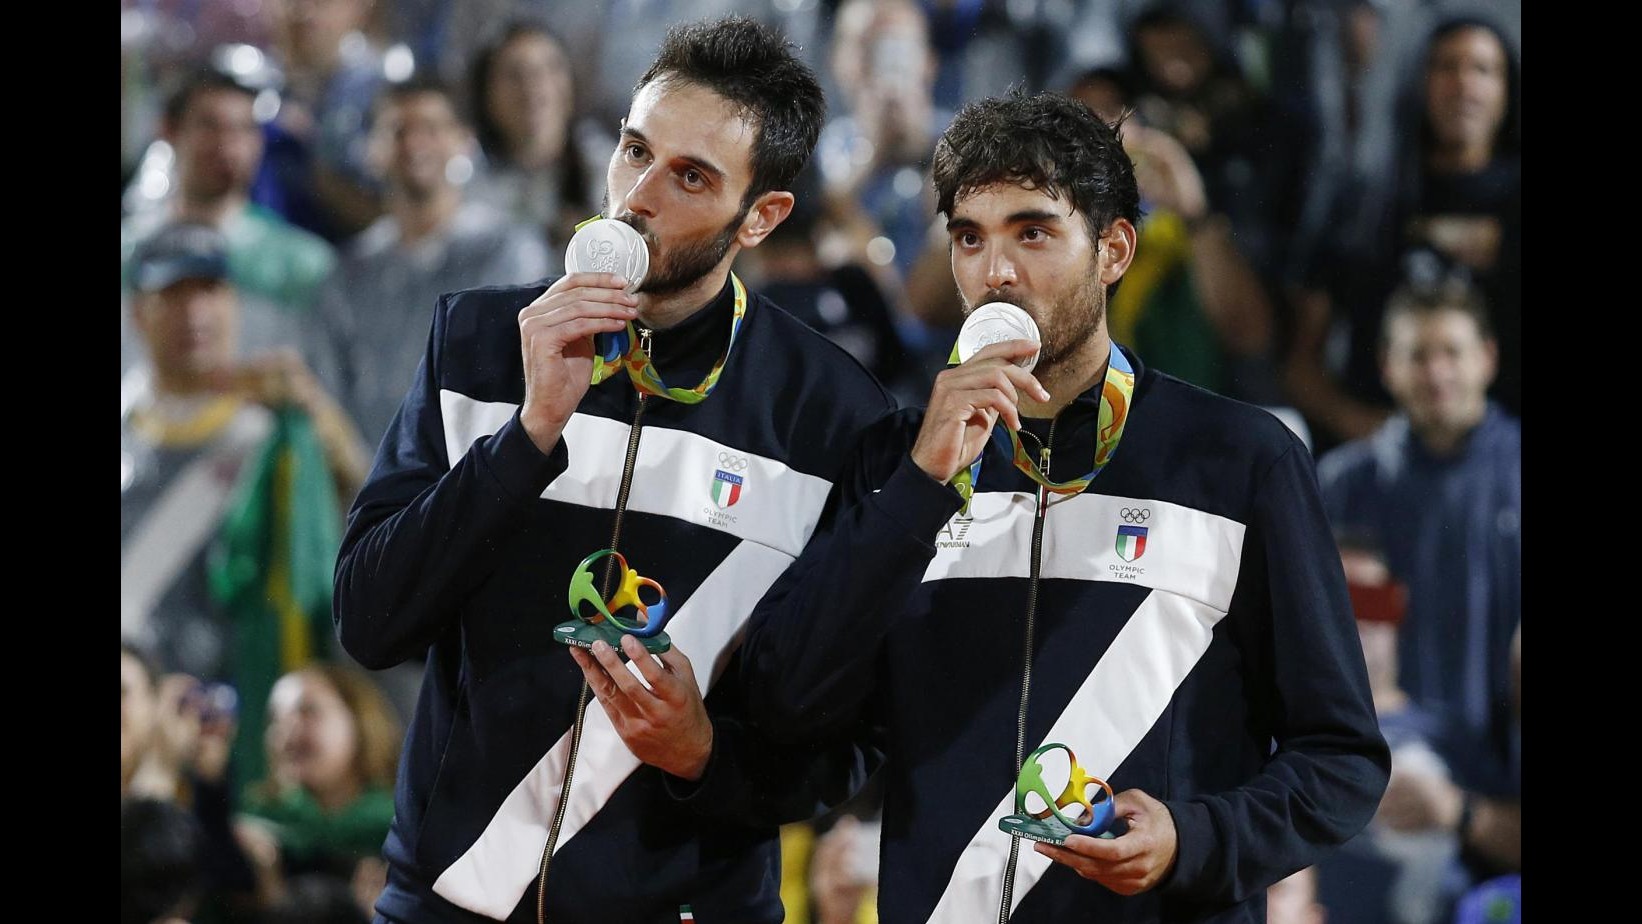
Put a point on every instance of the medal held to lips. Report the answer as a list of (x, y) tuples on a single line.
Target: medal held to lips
[(995, 322), (605, 245)]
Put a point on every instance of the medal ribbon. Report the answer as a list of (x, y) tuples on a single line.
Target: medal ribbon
[(1115, 395), (623, 350)]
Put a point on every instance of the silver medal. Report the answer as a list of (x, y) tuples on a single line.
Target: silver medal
[(609, 246), (995, 322)]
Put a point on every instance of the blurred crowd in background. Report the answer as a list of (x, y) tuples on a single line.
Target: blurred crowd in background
[(1332, 191)]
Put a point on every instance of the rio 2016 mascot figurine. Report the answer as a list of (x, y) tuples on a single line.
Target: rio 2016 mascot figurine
[(584, 630), (1050, 825)]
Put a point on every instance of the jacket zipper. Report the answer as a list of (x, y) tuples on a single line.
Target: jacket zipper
[(581, 703), (1026, 670)]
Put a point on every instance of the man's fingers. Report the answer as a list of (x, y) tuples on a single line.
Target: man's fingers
[(627, 684), (637, 654), (679, 663), (1004, 349), (597, 680), (573, 330), (1106, 849), (586, 281), (587, 298), (1026, 382), (561, 310), (678, 678), (624, 682)]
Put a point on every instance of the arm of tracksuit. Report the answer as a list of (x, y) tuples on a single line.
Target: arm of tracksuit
[(759, 779), (420, 531), (810, 657), (1325, 778)]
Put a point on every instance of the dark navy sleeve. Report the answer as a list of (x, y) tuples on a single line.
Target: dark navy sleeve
[(812, 645), (759, 779), (421, 529), (1330, 764)]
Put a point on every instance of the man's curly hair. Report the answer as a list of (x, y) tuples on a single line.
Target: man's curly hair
[(1045, 141)]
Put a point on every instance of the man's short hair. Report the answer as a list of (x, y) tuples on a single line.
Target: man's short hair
[(416, 85), (752, 66), (1046, 141), (1425, 291), (200, 80)]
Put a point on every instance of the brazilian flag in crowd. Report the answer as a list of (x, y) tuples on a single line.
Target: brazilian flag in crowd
[(271, 570)]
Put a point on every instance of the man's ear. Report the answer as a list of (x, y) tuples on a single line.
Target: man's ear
[(1117, 251), (768, 211)]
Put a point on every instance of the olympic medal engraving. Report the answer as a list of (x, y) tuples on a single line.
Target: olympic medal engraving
[(995, 322), (609, 246)]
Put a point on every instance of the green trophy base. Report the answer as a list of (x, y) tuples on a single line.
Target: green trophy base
[(1046, 830), (581, 634)]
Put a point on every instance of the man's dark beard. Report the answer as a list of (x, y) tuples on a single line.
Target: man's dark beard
[(687, 263), (1061, 342)]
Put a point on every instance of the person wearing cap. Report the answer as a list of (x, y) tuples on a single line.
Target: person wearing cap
[(188, 442), (652, 406), (1398, 869), (210, 124), (1090, 554)]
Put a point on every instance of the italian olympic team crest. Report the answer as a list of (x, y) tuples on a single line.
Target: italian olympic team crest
[(728, 479), (1131, 535)]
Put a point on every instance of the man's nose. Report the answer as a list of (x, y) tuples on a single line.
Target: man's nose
[(1000, 269), (641, 199)]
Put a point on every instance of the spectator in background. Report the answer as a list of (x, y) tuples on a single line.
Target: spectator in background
[(843, 301), (873, 157), (1194, 89), (314, 173), (1190, 303), (1453, 186), (226, 467), (1400, 869), (160, 850), (374, 312), (535, 166), (1328, 95), (1439, 488), (160, 41), (139, 692), (332, 754), (843, 872), (1294, 900), (174, 738), (277, 267)]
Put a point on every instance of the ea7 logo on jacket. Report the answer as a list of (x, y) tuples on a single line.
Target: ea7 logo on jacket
[(1131, 535), (953, 534), (727, 480)]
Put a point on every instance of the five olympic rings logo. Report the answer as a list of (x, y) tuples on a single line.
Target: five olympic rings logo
[(1135, 514), (732, 462)]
